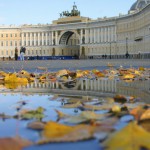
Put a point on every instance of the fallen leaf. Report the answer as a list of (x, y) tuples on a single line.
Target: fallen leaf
[(15, 143), (131, 137), (37, 125), (73, 105), (82, 117), (55, 132), (137, 112), (145, 115)]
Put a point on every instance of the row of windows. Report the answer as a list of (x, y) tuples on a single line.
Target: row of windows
[(10, 35), (10, 43), (29, 52)]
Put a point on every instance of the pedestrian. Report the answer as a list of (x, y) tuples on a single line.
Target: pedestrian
[(16, 54), (22, 52)]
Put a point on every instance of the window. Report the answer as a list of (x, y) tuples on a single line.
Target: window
[(15, 35), (6, 43), (6, 35), (10, 35), (43, 51), (1, 35), (24, 34), (15, 43), (32, 42), (28, 52), (28, 43), (6, 52), (10, 43), (32, 52), (11, 53)]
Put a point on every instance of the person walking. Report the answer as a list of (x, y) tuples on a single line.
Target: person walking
[(16, 54), (22, 52)]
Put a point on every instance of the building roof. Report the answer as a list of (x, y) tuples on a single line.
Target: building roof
[(138, 5)]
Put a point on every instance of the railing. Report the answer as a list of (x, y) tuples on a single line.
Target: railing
[(102, 85)]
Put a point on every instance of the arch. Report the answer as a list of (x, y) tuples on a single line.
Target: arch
[(65, 36)]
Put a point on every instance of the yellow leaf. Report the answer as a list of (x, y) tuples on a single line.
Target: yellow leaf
[(72, 105), (131, 137), (10, 78), (55, 132)]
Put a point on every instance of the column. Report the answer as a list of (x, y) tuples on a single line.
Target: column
[(42, 38), (38, 38), (56, 38), (115, 34), (81, 32), (30, 39), (50, 41), (22, 38), (102, 34), (46, 38), (111, 34), (86, 36), (94, 35), (52, 38), (108, 34), (98, 35), (26, 39), (91, 39), (34, 39)]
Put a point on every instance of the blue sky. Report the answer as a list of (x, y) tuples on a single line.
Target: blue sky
[(45, 11)]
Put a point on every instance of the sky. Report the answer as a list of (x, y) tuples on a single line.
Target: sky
[(18, 12)]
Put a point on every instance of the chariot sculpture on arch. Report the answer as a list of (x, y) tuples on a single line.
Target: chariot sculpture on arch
[(74, 12)]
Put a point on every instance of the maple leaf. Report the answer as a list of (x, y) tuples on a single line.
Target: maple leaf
[(131, 137), (15, 143), (55, 132)]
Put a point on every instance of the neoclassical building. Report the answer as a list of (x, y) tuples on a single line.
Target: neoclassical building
[(74, 35)]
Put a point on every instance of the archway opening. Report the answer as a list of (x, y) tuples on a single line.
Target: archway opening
[(69, 44)]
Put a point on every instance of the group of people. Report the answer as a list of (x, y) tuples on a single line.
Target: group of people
[(22, 53)]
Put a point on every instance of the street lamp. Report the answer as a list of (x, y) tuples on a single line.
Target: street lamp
[(110, 50), (127, 54)]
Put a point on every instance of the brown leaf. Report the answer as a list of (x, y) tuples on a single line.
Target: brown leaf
[(145, 115), (37, 125), (15, 143), (137, 112)]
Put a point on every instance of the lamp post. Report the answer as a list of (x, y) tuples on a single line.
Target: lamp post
[(127, 54), (110, 50)]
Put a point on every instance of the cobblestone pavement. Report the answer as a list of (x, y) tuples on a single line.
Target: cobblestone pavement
[(53, 65)]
